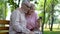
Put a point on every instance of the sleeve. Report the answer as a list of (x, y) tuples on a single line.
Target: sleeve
[(36, 23), (16, 25)]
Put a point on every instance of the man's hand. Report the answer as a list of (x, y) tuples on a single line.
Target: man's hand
[(31, 32)]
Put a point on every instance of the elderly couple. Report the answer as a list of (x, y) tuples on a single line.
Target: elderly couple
[(23, 20)]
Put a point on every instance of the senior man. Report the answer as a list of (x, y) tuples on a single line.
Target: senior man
[(18, 21)]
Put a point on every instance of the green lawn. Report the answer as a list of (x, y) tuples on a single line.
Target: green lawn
[(53, 32), (54, 29)]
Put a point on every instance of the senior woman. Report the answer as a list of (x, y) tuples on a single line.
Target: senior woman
[(31, 18)]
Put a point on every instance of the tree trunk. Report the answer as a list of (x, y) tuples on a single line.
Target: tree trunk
[(43, 18), (18, 3), (52, 13), (52, 24)]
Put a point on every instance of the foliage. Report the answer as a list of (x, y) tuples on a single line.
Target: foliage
[(3, 9), (11, 2)]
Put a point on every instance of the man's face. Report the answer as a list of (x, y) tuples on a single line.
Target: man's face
[(26, 7)]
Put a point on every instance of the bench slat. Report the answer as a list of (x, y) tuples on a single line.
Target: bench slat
[(4, 22), (4, 33), (4, 28)]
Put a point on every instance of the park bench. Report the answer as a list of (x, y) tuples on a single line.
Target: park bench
[(4, 26)]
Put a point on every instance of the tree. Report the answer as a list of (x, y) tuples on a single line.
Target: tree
[(3, 9), (43, 16), (13, 4), (52, 13), (49, 9)]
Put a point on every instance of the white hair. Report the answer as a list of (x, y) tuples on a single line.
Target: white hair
[(26, 2), (23, 1)]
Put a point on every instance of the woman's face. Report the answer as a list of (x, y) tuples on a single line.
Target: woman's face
[(32, 9)]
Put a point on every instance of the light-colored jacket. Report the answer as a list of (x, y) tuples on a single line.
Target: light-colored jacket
[(18, 23)]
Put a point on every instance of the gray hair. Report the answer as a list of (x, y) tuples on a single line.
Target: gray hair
[(26, 2)]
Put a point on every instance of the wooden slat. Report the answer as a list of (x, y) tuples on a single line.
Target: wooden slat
[(4, 28), (4, 33), (4, 22)]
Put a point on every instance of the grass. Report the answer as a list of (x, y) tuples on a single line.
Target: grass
[(51, 32), (55, 31)]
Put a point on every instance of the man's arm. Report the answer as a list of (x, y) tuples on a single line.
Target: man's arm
[(16, 23)]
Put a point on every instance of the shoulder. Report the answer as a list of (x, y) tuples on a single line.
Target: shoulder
[(35, 13), (16, 12)]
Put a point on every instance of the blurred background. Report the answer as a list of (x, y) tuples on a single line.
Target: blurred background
[(49, 10)]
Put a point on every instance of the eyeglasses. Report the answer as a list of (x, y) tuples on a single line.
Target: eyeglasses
[(27, 6)]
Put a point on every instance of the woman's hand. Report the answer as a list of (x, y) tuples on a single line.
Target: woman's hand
[(38, 23)]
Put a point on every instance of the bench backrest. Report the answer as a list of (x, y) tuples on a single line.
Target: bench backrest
[(4, 26)]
